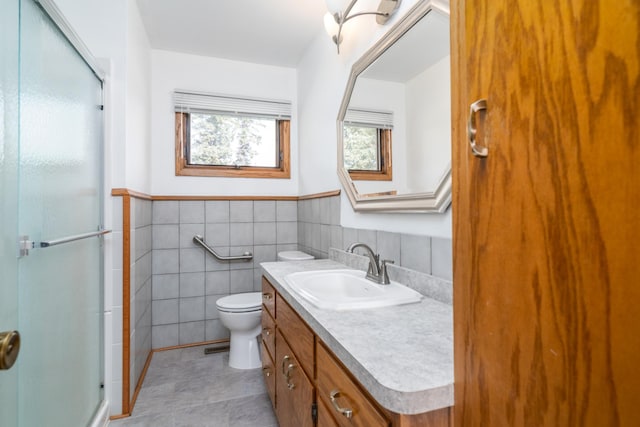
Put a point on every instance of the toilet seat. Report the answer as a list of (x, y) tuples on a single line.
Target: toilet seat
[(240, 303)]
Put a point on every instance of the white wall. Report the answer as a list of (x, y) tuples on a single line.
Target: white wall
[(428, 140), (322, 77), (138, 101), (171, 71)]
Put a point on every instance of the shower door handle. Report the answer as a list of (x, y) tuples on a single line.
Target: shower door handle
[(9, 349)]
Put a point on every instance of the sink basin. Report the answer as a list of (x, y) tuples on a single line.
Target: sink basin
[(348, 290)]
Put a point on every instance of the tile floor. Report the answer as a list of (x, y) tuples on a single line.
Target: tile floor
[(185, 387)]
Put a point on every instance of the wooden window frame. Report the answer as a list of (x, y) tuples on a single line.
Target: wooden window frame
[(386, 167), (283, 171)]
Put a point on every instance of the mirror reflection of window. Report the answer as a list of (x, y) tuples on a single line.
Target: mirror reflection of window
[(362, 148), (367, 144)]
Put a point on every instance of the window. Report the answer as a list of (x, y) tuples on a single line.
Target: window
[(219, 135), (367, 144)]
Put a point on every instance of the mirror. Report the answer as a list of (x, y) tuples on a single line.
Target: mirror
[(394, 124)]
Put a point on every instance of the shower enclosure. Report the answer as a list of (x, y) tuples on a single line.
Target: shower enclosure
[(51, 204)]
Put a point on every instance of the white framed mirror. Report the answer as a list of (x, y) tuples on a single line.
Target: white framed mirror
[(394, 123)]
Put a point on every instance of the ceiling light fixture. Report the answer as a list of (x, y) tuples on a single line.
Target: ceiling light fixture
[(335, 18)]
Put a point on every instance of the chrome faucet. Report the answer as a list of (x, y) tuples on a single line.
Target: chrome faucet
[(377, 271)]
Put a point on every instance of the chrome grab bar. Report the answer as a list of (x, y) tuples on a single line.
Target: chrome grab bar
[(49, 243), (247, 256)]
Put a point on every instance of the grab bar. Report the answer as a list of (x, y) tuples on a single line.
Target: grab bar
[(247, 256), (49, 243)]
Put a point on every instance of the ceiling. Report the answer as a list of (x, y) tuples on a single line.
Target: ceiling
[(272, 32)]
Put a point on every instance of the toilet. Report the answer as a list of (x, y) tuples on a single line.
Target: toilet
[(241, 314), (294, 256)]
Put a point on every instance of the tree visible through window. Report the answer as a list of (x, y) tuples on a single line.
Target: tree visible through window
[(223, 140), (361, 148)]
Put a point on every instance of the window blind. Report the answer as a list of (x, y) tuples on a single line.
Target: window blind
[(369, 118), (186, 102)]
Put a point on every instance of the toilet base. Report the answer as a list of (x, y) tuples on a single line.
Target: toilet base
[(244, 352)]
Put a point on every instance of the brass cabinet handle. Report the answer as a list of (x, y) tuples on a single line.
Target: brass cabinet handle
[(9, 348), (290, 385), (267, 331), (285, 359), (267, 296), (333, 396), (267, 371), (472, 130)]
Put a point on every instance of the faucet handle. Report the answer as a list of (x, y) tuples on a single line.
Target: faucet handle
[(383, 270)]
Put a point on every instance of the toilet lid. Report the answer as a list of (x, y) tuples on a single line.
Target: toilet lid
[(249, 301), (294, 256)]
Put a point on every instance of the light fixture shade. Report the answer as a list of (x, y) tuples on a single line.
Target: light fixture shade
[(330, 24), (334, 6)]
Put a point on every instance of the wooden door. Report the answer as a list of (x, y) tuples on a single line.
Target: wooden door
[(546, 229)]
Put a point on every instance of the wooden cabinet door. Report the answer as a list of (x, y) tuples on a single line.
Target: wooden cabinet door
[(546, 227), (294, 391)]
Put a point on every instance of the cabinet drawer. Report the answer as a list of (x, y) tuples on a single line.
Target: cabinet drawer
[(297, 333), (269, 332), (268, 297), (333, 379), (325, 418), (269, 373)]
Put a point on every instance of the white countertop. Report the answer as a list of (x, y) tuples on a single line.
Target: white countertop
[(402, 355)]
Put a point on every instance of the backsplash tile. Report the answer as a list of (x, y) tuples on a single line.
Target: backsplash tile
[(389, 246), (415, 252), (442, 257)]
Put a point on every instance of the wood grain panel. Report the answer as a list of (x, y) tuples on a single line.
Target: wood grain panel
[(269, 332), (269, 297), (269, 373), (546, 227), (126, 302), (331, 377), (293, 403), (298, 334), (325, 419)]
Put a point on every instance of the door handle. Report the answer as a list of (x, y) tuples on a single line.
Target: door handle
[(9, 348), (472, 129)]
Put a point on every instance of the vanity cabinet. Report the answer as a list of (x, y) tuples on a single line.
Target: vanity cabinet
[(305, 375)]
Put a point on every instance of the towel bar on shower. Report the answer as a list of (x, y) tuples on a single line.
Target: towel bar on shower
[(25, 244), (247, 256)]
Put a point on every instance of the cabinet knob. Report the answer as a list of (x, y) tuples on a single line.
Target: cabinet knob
[(333, 396), (472, 130), (267, 331), (267, 296), (266, 371)]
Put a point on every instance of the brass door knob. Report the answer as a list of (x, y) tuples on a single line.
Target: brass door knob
[(9, 348)]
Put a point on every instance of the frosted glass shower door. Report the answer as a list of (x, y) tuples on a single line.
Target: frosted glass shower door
[(60, 195)]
